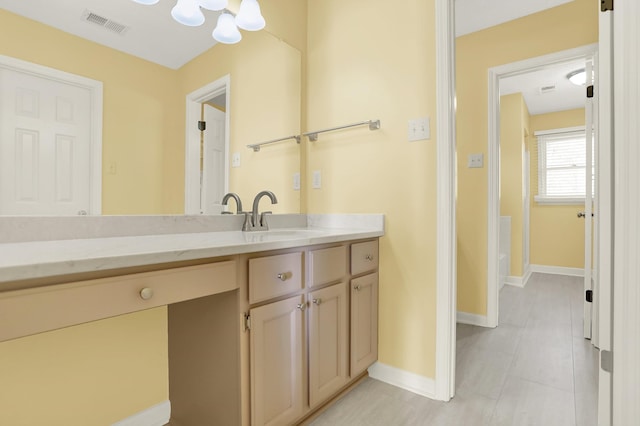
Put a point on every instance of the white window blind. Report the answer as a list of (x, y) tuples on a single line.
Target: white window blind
[(562, 166)]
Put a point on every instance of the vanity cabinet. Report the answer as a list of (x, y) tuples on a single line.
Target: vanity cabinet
[(312, 323), (277, 365)]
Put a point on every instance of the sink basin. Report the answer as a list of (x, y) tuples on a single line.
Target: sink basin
[(281, 234)]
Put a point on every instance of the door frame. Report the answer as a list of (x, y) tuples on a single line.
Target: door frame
[(493, 159), (446, 237), (96, 95), (192, 140)]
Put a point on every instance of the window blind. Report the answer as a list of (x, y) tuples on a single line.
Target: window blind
[(562, 165)]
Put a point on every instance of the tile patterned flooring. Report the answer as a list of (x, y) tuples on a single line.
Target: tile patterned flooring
[(534, 369)]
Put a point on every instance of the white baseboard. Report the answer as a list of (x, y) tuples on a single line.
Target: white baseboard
[(558, 270), (158, 415), (519, 281), (403, 379), (472, 319)]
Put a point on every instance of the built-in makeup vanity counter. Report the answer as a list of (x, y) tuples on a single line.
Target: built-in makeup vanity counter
[(256, 320)]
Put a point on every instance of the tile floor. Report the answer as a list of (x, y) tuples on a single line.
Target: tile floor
[(535, 369)]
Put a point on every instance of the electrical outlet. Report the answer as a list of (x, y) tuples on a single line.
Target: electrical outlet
[(235, 159), (296, 181), (419, 129), (475, 161), (317, 179)]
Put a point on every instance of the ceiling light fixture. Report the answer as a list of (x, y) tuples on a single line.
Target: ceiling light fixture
[(578, 77), (189, 12)]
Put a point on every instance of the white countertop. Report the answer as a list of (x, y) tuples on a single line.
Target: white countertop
[(37, 259)]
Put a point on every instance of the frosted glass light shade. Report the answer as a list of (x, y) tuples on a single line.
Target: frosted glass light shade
[(147, 2), (188, 12), (213, 4), (226, 30), (578, 77), (249, 17)]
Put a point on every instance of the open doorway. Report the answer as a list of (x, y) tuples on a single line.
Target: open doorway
[(207, 147)]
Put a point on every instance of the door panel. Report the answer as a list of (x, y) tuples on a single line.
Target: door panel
[(277, 362), (588, 204), (45, 146), (214, 159), (328, 344), (364, 323)]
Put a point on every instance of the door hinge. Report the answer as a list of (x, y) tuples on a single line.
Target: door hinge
[(247, 322), (202, 125), (589, 296), (590, 91), (606, 361), (606, 5)]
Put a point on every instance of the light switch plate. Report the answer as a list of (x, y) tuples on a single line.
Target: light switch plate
[(235, 159), (317, 179), (419, 129), (475, 161), (296, 181)]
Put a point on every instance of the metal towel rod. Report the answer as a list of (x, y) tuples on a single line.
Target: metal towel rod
[(256, 146), (313, 136)]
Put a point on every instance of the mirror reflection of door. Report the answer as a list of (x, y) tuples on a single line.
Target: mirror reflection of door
[(45, 145), (212, 185)]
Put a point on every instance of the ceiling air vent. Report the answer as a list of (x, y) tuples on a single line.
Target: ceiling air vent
[(106, 23), (547, 89)]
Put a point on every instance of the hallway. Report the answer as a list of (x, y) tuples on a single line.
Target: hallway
[(535, 369)]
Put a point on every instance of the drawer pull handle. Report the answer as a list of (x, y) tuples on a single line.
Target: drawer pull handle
[(302, 306), (146, 293), (369, 257), (356, 288), (317, 301), (283, 276)]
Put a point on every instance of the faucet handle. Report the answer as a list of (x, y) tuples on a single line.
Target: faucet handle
[(263, 220), (246, 226)]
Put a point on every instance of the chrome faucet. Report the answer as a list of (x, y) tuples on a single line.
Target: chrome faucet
[(260, 223), (235, 196)]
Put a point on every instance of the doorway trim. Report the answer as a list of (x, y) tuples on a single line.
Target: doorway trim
[(95, 89), (446, 285), (192, 140), (493, 157)]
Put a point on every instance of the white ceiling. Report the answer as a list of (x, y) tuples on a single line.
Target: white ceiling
[(476, 15), (565, 96), (152, 35)]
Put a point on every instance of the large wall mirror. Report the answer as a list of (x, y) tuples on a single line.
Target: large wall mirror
[(145, 134)]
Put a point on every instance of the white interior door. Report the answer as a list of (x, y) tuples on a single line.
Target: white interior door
[(590, 135), (213, 161), (45, 146)]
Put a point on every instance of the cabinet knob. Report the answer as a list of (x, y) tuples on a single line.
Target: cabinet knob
[(282, 276), (369, 257), (356, 288), (302, 306), (317, 301), (146, 293)]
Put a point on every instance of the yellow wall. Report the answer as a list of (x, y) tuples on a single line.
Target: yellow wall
[(91, 375), (514, 125), (356, 71), (564, 27), (557, 235)]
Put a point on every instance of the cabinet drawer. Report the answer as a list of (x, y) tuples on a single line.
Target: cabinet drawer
[(274, 276), (364, 257), (327, 265), (27, 312)]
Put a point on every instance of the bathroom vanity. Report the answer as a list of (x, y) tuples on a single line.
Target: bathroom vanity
[(264, 327)]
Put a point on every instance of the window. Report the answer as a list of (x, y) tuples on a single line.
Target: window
[(562, 166)]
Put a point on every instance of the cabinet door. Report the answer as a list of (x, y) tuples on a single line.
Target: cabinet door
[(277, 362), (328, 342), (364, 323)]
